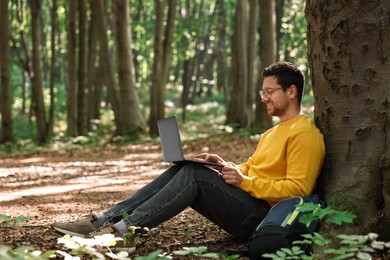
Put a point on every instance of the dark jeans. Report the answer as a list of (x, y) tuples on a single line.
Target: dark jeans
[(196, 186)]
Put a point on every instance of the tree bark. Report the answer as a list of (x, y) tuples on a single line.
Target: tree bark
[(267, 57), (222, 71), (93, 77), (37, 86), (82, 98), (6, 134), (131, 120), (161, 62), (105, 62), (72, 129), (53, 67), (349, 50), (238, 113), (252, 32)]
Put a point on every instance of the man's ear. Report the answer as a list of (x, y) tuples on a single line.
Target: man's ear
[(292, 91)]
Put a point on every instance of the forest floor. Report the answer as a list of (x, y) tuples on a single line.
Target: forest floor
[(64, 185)]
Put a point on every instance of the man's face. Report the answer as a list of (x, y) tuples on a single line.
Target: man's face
[(274, 97)]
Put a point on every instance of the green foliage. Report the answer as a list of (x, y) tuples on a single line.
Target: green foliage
[(158, 254), (332, 216), (8, 221), (357, 247), (348, 246), (23, 128), (197, 251), (24, 253)]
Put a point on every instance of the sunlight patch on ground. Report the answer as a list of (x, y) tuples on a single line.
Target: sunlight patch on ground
[(81, 184)]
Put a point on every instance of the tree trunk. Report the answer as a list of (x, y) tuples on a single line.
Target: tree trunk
[(252, 32), (222, 72), (37, 86), (238, 113), (72, 86), (131, 120), (267, 57), (105, 62), (279, 12), (53, 67), (6, 134), (82, 98), (161, 63), (349, 50), (93, 77)]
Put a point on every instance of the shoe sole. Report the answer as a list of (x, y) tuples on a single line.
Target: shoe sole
[(67, 232)]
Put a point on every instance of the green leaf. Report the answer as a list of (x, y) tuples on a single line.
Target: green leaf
[(363, 256), (342, 217), (340, 257), (272, 256), (210, 255), (281, 254)]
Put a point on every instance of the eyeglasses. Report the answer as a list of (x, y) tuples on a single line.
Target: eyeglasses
[(265, 94)]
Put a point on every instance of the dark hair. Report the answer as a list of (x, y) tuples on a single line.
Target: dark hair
[(287, 74)]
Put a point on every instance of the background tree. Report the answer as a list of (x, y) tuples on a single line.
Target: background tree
[(72, 129), (82, 90), (267, 57), (5, 76), (162, 60), (105, 61), (53, 67), (240, 69), (132, 122), (37, 87), (349, 50)]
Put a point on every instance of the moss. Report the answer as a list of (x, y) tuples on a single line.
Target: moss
[(339, 201)]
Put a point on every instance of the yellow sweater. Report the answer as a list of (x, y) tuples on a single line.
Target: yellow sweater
[(286, 163)]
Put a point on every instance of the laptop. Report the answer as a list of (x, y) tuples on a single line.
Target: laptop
[(172, 149)]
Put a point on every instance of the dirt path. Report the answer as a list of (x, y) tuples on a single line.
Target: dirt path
[(64, 185)]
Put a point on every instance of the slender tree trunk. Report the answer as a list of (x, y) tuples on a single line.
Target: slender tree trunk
[(222, 72), (82, 99), (237, 113), (72, 129), (267, 57), (279, 15), (92, 58), (6, 134), (349, 50), (105, 62), (132, 121), (157, 91), (37, 86), (162, 60), (53, 66), (24, 55), (252, 32)]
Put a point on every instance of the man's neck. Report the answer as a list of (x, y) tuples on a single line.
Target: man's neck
[(290, 115)]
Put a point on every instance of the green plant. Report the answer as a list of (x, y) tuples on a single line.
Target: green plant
[(197, 251), (8, 221), (25, 252), (158, 254), (349, 246)]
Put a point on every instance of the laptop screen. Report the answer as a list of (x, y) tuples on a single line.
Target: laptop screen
[(170, 139)]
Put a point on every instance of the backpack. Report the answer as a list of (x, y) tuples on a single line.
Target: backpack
[(281, 227)]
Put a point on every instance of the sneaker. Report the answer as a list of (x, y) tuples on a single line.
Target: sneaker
[(80, 228)]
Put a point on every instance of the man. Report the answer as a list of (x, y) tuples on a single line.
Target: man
[(286, 163)]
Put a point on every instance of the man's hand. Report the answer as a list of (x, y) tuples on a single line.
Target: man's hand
[(208, 157), (232, 175)]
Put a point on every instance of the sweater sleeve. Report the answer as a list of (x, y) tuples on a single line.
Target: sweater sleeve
[(301, 164)]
